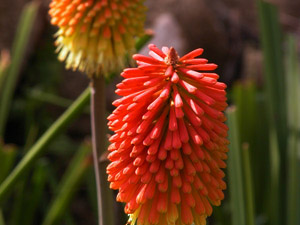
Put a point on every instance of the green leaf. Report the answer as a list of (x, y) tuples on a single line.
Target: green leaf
[(8, 155), (238, 209), (69, 185), (28, 160), (254, 130), (249, 195), (274, 188), (34, 199), (50, 98), (19, 47), (244, 97), (271, 38), (2, 222), (293, 152)]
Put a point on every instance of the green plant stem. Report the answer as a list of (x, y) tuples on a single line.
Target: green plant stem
[(98, 125), (69, 115), (249, 196), (235, 171), (18, 52)]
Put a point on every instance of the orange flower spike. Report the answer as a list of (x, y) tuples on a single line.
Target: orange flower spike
[(170, 141), (93, 36)]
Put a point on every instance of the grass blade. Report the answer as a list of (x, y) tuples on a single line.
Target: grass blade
[(271, 38), (50, 98), (19, 47), (68, 186), (253, 129), (2, 222), (274, 197), (39, 179), (66, 118), (235, 171), (8, 155), (243, 95), (276, 101), (293, 153), (249, 195)]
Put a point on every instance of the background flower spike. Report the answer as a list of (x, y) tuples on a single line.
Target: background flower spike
[(95, 35)]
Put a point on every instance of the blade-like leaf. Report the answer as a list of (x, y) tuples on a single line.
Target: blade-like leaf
[(19, 47), (276, 100), (249, 195), (68, 186), (293, 153), (235, 171), (39, 179), (74, 110)]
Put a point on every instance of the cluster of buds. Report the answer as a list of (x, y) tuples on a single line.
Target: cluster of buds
[(170, 144), (95, 35)]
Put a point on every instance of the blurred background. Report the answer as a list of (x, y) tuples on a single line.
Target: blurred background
[(255, 44)]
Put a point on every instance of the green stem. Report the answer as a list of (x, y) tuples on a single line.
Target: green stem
[(249, 196), (98, 125), (69, 115)]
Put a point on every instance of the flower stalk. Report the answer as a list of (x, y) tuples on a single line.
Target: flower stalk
[(104, 194)]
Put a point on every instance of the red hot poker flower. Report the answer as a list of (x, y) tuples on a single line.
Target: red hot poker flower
[(170, 140), (95, 35)]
